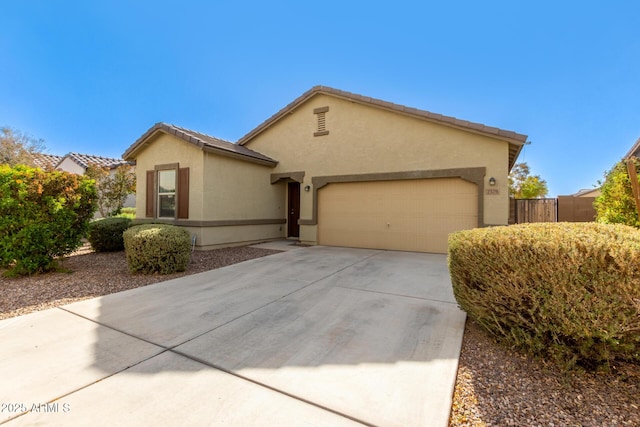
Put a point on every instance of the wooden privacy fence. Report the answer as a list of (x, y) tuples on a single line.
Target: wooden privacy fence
[(533, 210), (576, 209), (564, 208)]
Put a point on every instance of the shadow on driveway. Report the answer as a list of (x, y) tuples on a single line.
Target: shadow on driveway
[(323, 335)]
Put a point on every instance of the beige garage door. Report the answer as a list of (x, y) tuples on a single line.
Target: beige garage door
[(408, 215)]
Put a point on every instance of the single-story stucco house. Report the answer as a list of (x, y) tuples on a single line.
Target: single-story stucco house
[(330, 168)]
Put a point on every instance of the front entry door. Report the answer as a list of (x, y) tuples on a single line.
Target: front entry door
[(293, 229)]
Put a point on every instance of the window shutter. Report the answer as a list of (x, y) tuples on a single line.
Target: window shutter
[(183, 193), (151, 191)]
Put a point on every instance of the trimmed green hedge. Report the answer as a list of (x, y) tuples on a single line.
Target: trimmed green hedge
[(565, 291), (105, 235), (157, 248)]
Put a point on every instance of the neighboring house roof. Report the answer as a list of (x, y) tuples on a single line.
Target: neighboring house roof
[(516, 141), (587, 192), (85, 160), (52, 161), (46, 161), (205, 142), (635, 150)]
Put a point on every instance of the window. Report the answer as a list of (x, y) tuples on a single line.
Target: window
[(167, 193)]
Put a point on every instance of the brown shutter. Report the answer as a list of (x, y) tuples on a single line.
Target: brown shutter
[(183, 193), (151, 190)]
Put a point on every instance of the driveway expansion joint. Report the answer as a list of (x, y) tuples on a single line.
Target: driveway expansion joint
[(268, 387), (397, 295), (163, 347)]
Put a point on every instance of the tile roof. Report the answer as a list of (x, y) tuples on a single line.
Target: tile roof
[(46, 161), (85, 160), (204, 141), (516, 140), (52, 161)]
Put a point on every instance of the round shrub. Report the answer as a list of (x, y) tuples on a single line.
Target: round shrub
[(105, 235), (157, 248), (569, 292)]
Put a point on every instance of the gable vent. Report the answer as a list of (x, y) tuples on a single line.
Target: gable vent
[(322, 121)]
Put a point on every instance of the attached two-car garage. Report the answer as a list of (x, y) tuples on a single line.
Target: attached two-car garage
[(408, 215)]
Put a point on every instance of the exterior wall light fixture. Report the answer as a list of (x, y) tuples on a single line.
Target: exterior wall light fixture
[(307, 188), (492, 181)]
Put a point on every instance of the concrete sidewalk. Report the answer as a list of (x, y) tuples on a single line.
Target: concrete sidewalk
[(313, 336)]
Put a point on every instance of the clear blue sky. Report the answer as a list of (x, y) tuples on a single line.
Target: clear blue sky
[(91, 77)]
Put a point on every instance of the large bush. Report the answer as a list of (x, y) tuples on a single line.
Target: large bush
[(157, 248), (566, 291), (43, 216), (105, 235), (616, 205)]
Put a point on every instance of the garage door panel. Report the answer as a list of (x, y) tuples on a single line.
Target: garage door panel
[(412, 215)]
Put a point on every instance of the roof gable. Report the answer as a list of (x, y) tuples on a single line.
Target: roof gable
[(516, 141), (205, 142)]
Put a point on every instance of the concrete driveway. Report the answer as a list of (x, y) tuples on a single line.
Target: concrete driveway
[(316, 336)]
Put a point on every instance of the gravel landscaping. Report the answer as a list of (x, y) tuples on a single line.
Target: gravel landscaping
[(495, 386), (91, 274), (498, 387)]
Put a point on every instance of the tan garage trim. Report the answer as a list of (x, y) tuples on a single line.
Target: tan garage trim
[(473, 175), (407, 215)]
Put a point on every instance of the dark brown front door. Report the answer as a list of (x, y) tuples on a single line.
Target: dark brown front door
[(294, 210)]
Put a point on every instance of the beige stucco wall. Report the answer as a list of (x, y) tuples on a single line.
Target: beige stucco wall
[(364, 139), (237, 190), (212, 237), (167, 149), (220, 189)]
